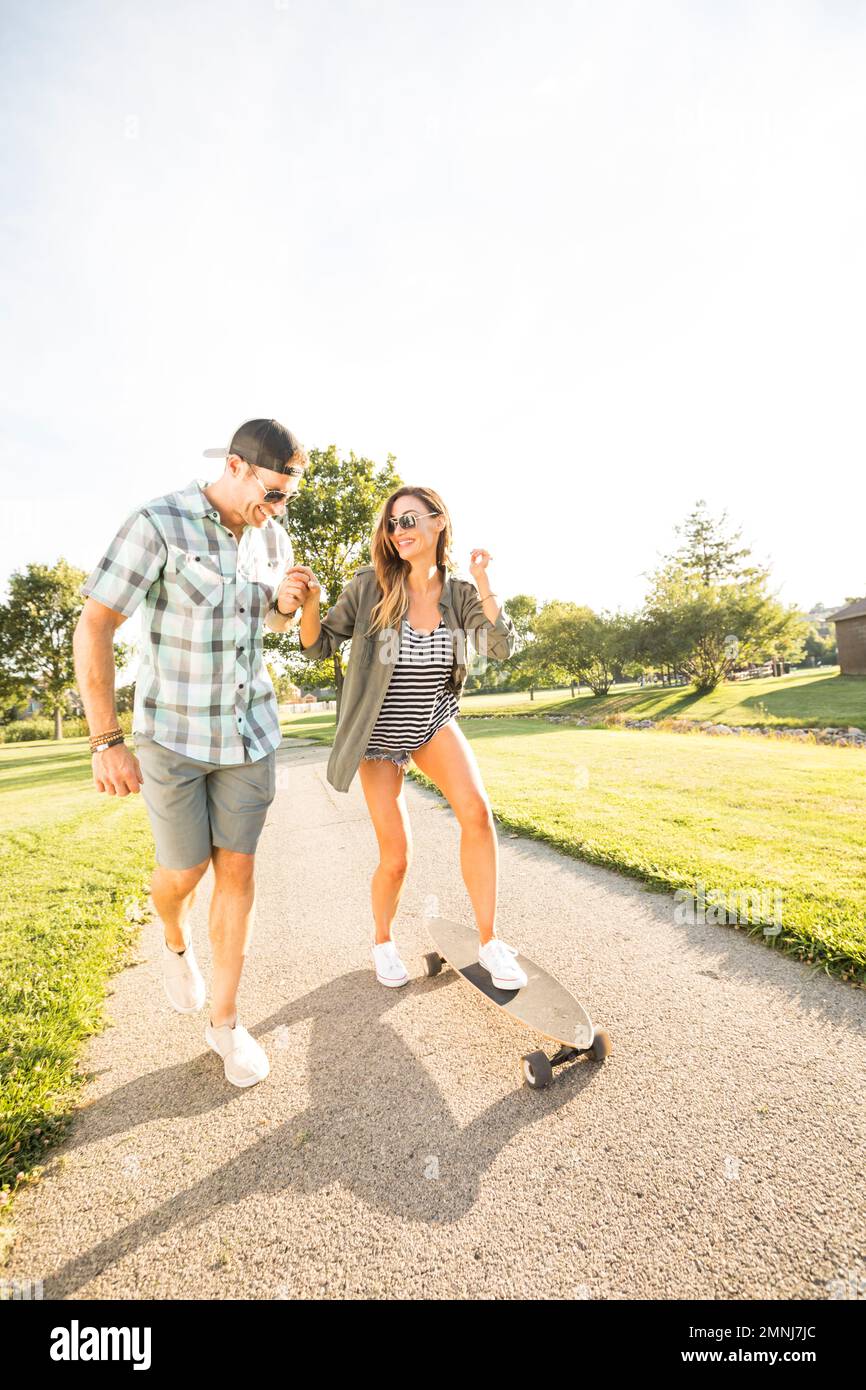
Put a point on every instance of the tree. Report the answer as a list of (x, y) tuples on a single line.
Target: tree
[(709, 612), (574, 643), (331, 522), (709, 555), (37, 623), (285, 688), (818, 650), (524, 671)]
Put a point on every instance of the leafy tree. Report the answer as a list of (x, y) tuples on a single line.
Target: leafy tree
[(708, 554), (285, 688), (708, 611), (818, 650), (527, 669), (574, 643), (37, 622), (124, 698)]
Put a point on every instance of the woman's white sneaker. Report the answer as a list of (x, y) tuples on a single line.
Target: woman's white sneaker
[(390, 970), (499, 959), (244, 1061), (183, 981)]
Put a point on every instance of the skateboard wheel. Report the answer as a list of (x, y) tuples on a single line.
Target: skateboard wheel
[(537, 1070), (432, 963), (601, 1045)]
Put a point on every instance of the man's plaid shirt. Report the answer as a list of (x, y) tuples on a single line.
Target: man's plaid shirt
[(202, 687)]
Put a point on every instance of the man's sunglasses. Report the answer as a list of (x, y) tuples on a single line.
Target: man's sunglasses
[(407, 520), (276, 494)]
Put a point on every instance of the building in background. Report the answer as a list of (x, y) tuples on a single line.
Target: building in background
[(851, 637)]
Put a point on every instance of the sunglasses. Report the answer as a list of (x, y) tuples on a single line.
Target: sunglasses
[(406, 521), (276, 494)]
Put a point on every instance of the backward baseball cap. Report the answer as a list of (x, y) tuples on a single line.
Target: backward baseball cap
[(264, 444)]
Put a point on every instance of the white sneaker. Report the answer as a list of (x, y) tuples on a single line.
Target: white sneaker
[(245, 1062), (499, 959), (390, 970), (183, 981)]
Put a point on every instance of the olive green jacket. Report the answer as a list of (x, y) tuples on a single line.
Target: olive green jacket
[(372, 658)]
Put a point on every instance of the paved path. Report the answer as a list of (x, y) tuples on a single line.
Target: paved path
[(394, 1152)]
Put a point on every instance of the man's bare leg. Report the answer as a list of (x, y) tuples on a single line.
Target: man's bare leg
[(173, 892), (232, 913)]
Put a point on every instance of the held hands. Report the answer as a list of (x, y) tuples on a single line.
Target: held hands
[(117, 771), (299, 586)]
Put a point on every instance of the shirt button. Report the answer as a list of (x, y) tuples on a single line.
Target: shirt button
[(241, 686), (243, 610)]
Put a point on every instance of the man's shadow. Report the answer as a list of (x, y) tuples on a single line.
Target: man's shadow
[(376, 1122)]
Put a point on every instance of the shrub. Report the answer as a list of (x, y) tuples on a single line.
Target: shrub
[(23, 730)]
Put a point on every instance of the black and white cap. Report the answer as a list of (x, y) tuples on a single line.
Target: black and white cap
[(264, 444)]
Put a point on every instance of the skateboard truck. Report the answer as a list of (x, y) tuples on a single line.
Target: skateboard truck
[(538, 1067)]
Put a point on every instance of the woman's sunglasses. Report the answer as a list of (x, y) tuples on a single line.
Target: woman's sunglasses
[(407, 520)]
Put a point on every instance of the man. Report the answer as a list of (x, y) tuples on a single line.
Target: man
[(211, 567)]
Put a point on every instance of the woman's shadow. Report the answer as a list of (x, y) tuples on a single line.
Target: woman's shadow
[(376, 1122)]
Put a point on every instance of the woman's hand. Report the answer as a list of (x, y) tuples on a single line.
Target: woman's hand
[(478, 562)]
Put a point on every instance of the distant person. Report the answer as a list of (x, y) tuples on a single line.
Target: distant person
[(207, 564), (409, 621)]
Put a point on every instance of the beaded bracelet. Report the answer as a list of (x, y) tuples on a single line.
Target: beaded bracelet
[(108, 733), (104, 741)]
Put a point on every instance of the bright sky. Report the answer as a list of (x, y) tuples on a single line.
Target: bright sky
[(576, 265)]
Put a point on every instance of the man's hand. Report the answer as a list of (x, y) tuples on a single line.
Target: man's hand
[(303, 577), (117, 771), (292, 592)]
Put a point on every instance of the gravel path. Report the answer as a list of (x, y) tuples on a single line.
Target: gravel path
[(393, 1150)]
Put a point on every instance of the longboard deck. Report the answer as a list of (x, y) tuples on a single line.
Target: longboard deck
[(543, 1004)]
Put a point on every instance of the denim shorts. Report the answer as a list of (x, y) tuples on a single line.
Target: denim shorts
[(400, 759)]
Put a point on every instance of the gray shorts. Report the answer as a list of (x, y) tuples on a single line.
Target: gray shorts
[(196, 806)]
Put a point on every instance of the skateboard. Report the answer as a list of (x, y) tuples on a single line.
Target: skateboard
[(543, 1004)]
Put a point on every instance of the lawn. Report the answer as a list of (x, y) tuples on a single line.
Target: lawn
[(803, 699), (678, 810), (70, 862)]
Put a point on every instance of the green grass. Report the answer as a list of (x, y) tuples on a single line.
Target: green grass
[(803, 699), (70, 861), (679, 810)]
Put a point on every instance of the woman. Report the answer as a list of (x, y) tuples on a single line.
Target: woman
[(409, 622)]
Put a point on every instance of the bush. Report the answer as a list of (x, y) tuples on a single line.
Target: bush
[(23, 730)]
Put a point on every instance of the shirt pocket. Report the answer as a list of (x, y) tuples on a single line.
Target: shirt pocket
[(193, 577), (261, 572)]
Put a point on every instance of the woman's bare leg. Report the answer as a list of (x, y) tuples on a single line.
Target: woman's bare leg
[(448, 760), (382, 783)]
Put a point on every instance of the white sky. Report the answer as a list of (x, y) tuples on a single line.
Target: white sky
[(576, 265)]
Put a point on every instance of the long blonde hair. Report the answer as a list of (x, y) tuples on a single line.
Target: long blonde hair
[(392, 572)]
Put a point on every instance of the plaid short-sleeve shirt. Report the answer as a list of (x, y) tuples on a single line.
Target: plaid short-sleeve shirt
[(202, 688)]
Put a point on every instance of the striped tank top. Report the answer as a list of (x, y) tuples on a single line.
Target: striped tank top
[(416, 703)]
